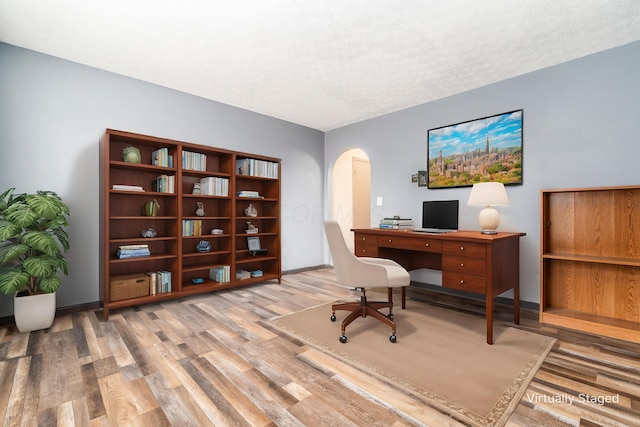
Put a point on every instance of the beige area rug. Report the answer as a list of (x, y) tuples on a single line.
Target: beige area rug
[(440, 354)]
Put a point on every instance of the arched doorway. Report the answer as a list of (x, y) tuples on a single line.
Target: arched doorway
[(351, 192)]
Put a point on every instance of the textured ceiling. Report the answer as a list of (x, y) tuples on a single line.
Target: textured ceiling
[(325, 63)]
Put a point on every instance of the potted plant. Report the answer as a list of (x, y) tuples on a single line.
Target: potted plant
[(33, 241)]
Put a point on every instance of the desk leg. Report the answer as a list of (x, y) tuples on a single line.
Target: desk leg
[(516, 305), (489, 315)]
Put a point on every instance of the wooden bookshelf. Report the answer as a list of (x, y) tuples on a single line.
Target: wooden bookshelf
[(174, 248), (590, 260)]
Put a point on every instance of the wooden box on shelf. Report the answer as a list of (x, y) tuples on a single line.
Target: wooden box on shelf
[(129, 286), (590, 260)]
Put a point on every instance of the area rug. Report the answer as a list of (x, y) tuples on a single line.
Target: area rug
[(440, 354)]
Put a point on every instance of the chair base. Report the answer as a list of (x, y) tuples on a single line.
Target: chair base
[(365, 308)]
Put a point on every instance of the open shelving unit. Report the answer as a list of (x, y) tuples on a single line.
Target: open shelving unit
[(590, 260), (173, 249)]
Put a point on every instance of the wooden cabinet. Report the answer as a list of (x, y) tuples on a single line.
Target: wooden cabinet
[(590, 260), (225, 183)]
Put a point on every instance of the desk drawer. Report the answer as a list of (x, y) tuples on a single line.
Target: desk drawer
[(463, 282), (464, 265), (401, 242), (366, 250), (365, 239), (466, 249)]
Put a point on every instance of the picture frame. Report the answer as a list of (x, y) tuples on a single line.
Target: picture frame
[(480, 150), (253, 243)]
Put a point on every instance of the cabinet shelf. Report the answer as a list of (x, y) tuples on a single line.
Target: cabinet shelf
[(593, 259), (173, 254)]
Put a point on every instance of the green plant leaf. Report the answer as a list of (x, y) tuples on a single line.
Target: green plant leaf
[(8, 230), (42, 266), (4, 199), (41, 241), (45, 204), (62, 237), (49, 284), (10, 252), (12, 280), (21, 215)]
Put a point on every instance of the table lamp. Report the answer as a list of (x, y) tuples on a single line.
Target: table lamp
[(488, 194)]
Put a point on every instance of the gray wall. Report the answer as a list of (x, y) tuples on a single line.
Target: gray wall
[(581, 129), (53, 112)]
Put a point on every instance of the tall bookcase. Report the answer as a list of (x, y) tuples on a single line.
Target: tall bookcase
[(167, 172), (590, 260)]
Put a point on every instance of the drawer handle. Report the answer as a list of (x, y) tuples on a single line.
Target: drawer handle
[(462, 248), (364, 238), (390, 240), (462, 282), (462, 264), (364, 251), (427, 245)]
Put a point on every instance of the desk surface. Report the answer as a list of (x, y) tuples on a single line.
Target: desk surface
[(466, 235)]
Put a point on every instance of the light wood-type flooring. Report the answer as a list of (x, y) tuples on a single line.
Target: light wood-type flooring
[(214, 360)]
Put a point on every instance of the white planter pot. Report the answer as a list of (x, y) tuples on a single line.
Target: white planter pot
[(34, 312)]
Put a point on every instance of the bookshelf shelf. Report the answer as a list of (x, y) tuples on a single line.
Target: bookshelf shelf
[(215, 170)]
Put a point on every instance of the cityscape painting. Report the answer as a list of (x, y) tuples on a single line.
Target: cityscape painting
[(486, 149)]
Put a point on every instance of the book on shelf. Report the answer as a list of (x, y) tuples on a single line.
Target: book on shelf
[(194, 161), (124, 187), (191, 227), (153, 282), (163, 281), (164, 184), (220, 274), (161, 157), (214, 186), (254, 167)]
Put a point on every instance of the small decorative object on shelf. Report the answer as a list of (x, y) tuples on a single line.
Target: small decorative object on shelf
[(131, 155), (203, 246), (217, 231), (197, 280), (149, 233), (251, 210), (251, 229), (197, 188), (200, 211), (151, 208)]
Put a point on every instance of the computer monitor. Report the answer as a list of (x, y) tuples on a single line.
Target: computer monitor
[(440, 215)]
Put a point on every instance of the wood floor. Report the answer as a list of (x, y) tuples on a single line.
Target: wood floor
[(214, 360)]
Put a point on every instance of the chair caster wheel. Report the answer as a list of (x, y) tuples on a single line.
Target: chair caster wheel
[(390, 316), (392, 338), (333, 317), (343, 339)]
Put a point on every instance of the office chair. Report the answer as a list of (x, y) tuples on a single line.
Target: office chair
[(362, 274)]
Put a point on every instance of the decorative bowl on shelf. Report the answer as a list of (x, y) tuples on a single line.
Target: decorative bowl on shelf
[(131, 155), (203, 246)]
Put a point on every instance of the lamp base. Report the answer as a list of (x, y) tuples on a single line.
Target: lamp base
[(489, 232), (489, 220)]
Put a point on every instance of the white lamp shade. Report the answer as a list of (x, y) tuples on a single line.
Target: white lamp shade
[(488, 194)]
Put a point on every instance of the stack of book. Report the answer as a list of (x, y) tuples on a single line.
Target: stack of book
[(132, 251), (254, 167), (397, 223), (248, 193), (220, 274), (159, 282), (124, 187)]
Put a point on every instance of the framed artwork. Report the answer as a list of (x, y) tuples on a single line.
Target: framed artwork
[(480, 150), (253, 243)]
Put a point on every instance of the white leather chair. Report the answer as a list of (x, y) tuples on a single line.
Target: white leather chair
[(362, 274)]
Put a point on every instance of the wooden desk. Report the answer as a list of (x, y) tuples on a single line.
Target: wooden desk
[(469, 261)]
